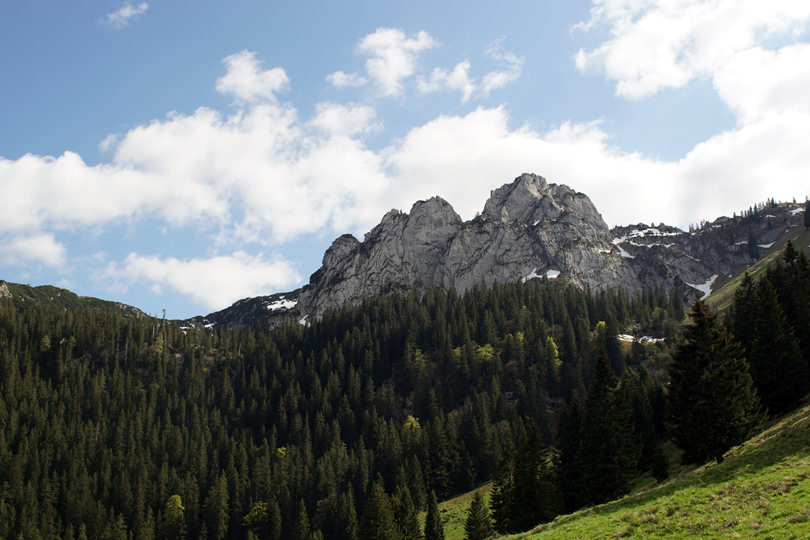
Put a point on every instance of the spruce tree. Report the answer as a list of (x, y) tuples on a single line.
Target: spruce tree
[(604, 438), (778, 368), (405, 514), (526, 496), (301, 527), (377, 521), (568, 444), (713, 403), (478, 525), (502, 495), (434, 529)]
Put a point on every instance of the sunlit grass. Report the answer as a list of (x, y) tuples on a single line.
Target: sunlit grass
[(761, 490)]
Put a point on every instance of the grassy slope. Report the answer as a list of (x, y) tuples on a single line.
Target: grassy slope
[(761, 490)]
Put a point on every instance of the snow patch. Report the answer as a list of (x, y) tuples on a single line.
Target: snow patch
[(627, 338), (650, 245), (617, 242), (303, 320), (650, 231), (766, 246), (796, 211), (551, 274), (705, 288), (281, 303), (533, 274)]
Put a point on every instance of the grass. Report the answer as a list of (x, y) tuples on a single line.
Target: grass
[(761, 491)]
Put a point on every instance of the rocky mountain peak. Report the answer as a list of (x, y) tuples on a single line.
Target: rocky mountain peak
[(516, 201), (529, 229)]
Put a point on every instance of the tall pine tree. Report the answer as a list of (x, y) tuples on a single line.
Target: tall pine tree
[(713, 404), (434, 529), (478, 525)]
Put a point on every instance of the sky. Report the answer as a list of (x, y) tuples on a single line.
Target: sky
[(182, 155)]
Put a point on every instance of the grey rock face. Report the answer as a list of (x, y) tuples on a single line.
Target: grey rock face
[(528, 229), (4, 292)]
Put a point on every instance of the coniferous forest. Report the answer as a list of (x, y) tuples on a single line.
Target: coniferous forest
[(114, 426)]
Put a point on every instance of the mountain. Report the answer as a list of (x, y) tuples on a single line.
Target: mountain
[(22, 295), (528, 229)]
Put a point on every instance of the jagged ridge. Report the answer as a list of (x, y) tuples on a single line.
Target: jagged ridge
[(528, 229)]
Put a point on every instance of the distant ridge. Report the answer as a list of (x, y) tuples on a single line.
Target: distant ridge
[(23, 295)]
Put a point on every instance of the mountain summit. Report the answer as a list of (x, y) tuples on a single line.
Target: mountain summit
[(528, 229)]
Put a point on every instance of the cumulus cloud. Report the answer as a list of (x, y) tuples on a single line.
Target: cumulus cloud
[(459, 79), (725, 173), (351, 119), (499, 78), (340, 79), (247, 81), (37, 248), (485, 152), (659, 44), (392, 57), (125, 14), (757, 83), (213, 283)]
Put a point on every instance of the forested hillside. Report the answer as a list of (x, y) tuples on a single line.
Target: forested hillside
[(115, 427)]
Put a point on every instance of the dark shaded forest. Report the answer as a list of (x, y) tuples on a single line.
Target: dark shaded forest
[(120, 427)]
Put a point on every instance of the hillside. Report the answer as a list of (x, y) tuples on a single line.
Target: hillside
[(761, 490), (24, 295)]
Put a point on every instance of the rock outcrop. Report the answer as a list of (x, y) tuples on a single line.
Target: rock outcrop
[(528, 229)]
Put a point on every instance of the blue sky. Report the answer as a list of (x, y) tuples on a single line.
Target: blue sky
[(182, 155)]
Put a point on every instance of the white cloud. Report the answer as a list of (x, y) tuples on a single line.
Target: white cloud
[(349, 120), (500, 78), (485, 152), (213, 283), (757, 82), (340, 79), (724, 174), (125, 14), (657, 44), (41, 248), (64, 192), (247, 81), (392, 57), (458, 79)]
